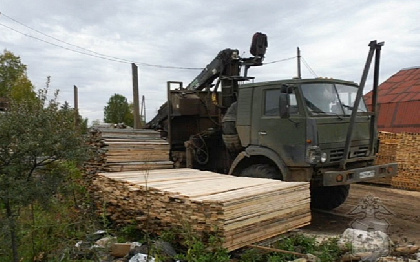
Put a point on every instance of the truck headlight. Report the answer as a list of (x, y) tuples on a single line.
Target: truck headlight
[(313, 154), (323, 157)]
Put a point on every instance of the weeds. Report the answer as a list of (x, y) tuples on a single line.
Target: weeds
[(48, 232), (327, 250), (198, 251)]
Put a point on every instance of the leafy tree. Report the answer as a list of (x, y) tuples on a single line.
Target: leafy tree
[(82, 122), (37, 139), (118, 111), (96, 122), (14, 83)]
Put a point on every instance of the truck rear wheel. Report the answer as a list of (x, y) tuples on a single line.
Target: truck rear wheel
[(328, 197), (261, 171)]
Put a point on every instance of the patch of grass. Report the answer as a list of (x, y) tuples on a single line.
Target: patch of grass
[(201, 248), (130, 233), (329, 250), (326, 251), (252, 255)]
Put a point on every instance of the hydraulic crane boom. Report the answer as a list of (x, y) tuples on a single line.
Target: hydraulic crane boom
[(215, 69), (228, 63), (226, 68)]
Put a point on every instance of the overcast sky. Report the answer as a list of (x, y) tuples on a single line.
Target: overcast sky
[(332, 34)]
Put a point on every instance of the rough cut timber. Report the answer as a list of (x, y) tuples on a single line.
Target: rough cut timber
[(128, 150), (403, 148), (388, 145), (408, 158), (241, 210)]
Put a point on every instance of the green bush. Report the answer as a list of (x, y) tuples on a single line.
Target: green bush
[(197, 251), (48, 232)]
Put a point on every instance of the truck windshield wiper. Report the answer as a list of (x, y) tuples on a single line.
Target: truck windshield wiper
[(327, 113), (348, 107), (351, 108), (314, 109)]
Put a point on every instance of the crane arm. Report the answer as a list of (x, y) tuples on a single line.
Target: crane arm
[(214, 69)]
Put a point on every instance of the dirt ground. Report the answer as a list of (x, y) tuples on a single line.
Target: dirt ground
[(404, 222)]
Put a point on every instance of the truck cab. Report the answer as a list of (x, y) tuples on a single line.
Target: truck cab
[(300, 127), (310, 130)]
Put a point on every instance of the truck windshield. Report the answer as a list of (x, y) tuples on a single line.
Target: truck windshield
[(328, 98)]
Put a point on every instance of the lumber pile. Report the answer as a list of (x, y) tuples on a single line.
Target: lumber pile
[(408, 158), (127, 149), (388, 145), (240, 210), (403, 148)]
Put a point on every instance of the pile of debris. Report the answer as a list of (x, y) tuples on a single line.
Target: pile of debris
[(100, 246), (358, 245)]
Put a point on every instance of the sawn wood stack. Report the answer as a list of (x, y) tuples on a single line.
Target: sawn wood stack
[(127, 150), (403, 148), (408, 159), (241, 210)]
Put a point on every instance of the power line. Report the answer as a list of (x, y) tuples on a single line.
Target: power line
[(61, 41), (92, 53), (60, 46), (86, 51), (281, 60), (308, 67)]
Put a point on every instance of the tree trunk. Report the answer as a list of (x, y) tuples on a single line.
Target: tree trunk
[(13, 233)]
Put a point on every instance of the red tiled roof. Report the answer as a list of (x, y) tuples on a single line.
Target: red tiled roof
[(399, 102)]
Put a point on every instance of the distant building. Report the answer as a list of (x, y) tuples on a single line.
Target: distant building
[(399, 102)]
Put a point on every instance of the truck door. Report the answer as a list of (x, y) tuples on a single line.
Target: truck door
[(286, 136)]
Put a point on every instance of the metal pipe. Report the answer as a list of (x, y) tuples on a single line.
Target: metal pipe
[(374, 119), (359, 95)]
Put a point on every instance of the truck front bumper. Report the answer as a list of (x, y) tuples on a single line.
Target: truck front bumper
[(344, 177)]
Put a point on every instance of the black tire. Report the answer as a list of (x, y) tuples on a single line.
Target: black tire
[(261, 171), (329, 197)]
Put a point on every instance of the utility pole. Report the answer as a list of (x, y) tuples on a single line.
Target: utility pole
[(76, 106), (299, 72), (137, 121), (143, 110)]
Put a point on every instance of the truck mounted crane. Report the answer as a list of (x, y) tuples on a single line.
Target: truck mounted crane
[(313, 130)]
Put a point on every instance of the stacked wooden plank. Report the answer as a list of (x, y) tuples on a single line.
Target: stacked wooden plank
[(403, 148), (128, 149), (387, 153), (240, 210), (408, 158), (388, 147)]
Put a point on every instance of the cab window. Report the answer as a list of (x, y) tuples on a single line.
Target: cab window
[(271, 103)]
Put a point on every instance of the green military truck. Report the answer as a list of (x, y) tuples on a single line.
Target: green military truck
[(314, 130)]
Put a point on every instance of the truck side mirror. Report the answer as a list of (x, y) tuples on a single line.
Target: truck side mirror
[(284, 104), (285, 89)]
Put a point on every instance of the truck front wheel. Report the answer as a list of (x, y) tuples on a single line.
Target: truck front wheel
[(261, 171), (328, 197)]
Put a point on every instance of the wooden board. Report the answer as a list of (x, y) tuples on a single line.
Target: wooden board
[(127, 150), (403, 148), (241, 210)]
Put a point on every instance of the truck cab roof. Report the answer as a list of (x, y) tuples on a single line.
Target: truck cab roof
[(296, 81)]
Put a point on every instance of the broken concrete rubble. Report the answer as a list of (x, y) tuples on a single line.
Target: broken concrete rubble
[(368, 245), (141, 258)]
